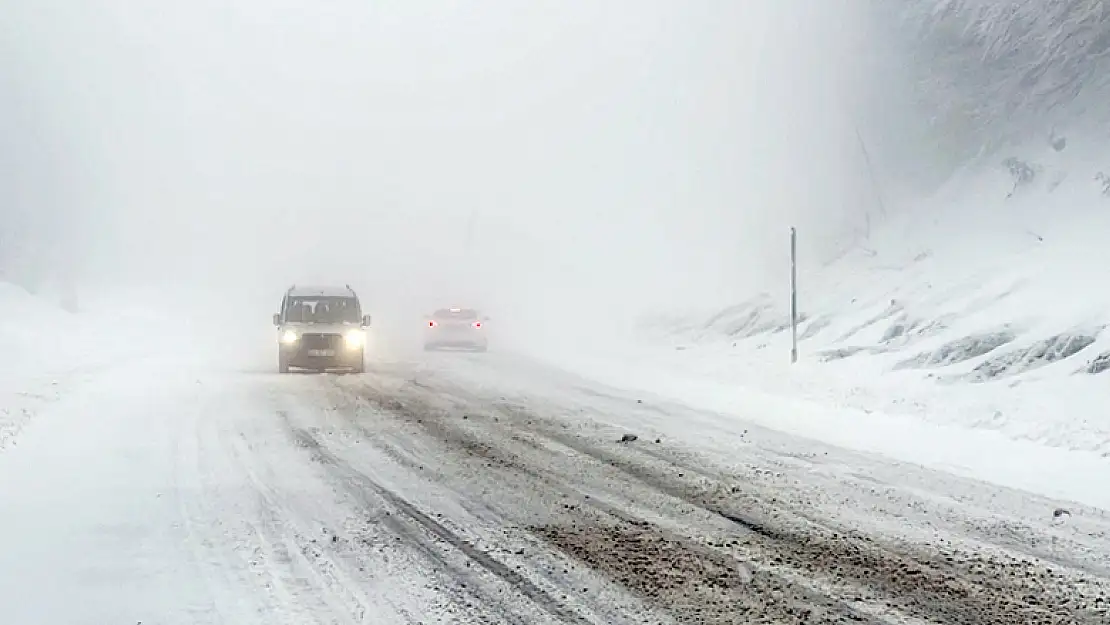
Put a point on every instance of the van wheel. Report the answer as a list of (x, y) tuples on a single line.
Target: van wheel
[(283, 363)]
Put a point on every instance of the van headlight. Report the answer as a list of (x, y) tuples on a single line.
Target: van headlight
[(289, 337), (354, 338)]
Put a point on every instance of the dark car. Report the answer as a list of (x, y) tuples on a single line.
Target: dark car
[(321, 328)]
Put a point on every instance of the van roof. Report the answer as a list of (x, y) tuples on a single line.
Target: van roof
[(320, 291)]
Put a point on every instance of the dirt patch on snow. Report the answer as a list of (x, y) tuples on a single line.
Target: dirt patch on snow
[(692, 582)]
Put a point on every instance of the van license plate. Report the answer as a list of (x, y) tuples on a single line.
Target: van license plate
[(321, 352)]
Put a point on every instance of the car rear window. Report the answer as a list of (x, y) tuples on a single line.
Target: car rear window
[(466, 314)]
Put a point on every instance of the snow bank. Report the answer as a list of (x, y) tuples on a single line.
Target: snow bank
[(48, 350), (969, 333)]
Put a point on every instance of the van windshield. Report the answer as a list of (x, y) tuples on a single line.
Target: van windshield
[(322, 310)]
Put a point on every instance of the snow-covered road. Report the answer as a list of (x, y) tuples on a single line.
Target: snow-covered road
[(489, 488)]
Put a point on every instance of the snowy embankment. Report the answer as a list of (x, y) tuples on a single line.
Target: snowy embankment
[(969, 335), (49, 351)]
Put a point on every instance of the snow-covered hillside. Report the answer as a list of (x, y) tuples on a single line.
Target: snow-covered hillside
[(44, 348), (990, 73), (983, 310), (986, 297), (50, 351), (979, 307)]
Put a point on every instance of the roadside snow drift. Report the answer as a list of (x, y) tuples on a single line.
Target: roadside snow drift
[(49, 351), (977, 321), (44, 348)]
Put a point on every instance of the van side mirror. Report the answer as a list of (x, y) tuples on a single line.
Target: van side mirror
[(366, 321), (277, 319)]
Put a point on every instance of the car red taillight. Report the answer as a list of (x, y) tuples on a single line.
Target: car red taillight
[(477, 324), (432, 324)]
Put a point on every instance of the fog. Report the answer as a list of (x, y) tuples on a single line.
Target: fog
[(606, 158)]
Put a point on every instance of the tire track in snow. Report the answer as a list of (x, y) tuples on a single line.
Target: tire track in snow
[(711, 578), (204, 507), (467, 594), (207, 560), (365, 575), (364, 484), (703, 565), (254, 541), (281, 529), (987, 515), (923, 589)]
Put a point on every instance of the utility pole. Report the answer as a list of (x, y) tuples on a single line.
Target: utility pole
[(793, 295)]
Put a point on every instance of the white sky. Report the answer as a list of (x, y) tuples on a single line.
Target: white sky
[(613, 153)]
